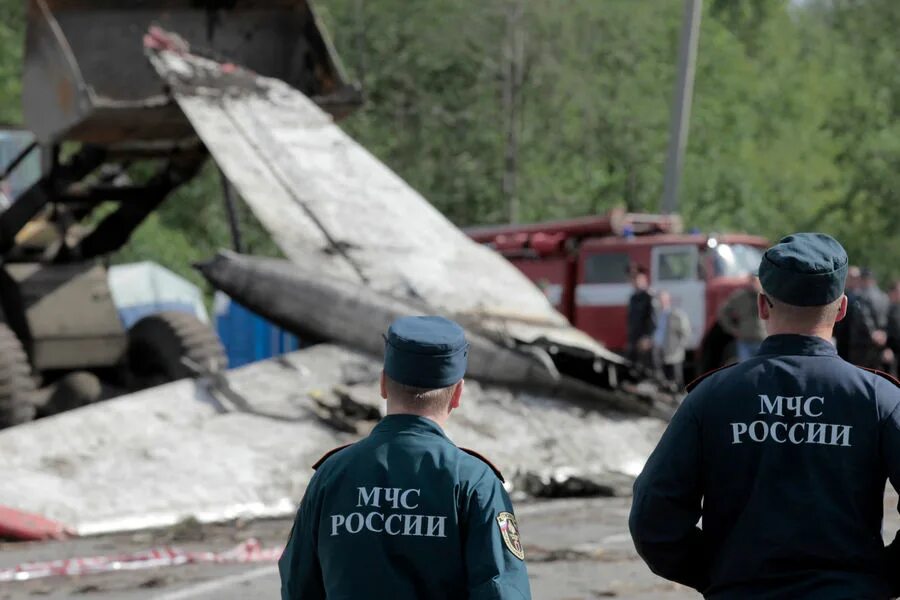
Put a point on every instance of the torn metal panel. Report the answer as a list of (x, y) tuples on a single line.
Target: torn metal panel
[(332, 206), (292, 227)]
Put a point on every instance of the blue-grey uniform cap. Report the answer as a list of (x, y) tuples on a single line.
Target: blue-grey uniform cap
[(804, 269), (425, 352)]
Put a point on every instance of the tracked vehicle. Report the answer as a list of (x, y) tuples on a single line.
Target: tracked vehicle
[(102, 147)]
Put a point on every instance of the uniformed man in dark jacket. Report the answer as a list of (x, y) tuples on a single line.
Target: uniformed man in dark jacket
[(641, 319), (405, 514), (866, 320), (784, 456), (877, 299), (893, 329)]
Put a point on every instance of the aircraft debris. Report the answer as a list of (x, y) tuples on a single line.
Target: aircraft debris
[(156, 457)]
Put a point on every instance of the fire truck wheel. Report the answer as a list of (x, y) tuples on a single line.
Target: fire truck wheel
[(16, 383), (158, 345)]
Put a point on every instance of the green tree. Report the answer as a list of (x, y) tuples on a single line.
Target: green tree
[(795, 123), (12, 25)]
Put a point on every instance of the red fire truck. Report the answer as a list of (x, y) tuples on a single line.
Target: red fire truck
[(583, 266)]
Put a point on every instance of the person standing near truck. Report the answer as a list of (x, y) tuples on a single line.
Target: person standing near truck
[(673, 330), (876, 298), (740, 319), (784, 456), (404, 513), (866, 321), (641, 320)]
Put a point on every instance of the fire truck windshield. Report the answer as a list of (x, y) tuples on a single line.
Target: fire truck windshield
[(736, 260)]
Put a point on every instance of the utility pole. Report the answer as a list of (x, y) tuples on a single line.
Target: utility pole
[(359, 41), (681, 104), (514, 56)]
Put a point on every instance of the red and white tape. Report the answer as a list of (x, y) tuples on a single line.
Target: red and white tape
[(250, 551)]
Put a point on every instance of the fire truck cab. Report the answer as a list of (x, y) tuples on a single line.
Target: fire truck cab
[(583, 266)]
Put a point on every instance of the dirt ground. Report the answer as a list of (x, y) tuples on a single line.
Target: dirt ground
[(577, 550)]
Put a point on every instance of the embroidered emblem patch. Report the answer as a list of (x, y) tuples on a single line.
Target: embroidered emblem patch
[(509, 530)]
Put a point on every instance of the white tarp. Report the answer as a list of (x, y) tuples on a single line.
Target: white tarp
[(143, 288)]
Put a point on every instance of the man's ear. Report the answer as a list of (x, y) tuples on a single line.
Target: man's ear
[(457, 395), (842, 309), (383, 387), (762, 307)]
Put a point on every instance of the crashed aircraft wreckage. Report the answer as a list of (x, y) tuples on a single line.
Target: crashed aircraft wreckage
[(362, 246), (333, 309), (365, 247)]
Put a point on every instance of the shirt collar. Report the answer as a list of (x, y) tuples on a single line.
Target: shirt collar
[(794, 344), (393, 424)]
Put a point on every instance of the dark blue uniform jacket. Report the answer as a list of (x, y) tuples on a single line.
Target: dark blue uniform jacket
[(785, 457), (404, 515)]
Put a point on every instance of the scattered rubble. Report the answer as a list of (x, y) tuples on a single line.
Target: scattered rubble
[(569, 482), (189, 450)]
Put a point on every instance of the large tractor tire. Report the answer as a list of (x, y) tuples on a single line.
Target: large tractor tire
[(158, 343), (17, 386), (72, 391)]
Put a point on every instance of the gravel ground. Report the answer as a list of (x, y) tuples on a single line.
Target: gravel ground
[(577, 550)]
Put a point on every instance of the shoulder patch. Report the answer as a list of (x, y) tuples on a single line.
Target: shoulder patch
[(325, 456), (887, 376), (509, 531), (487, 462), (690, 387)]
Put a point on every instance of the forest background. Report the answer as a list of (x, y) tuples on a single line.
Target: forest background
[(526, 110)]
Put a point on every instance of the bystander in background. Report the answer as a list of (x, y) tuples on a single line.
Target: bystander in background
[(740, 319), (866, 338), (641, 320), (891, 353), (673, 330)]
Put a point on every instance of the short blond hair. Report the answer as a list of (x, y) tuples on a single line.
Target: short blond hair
[(807, 316), (417, 398)]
